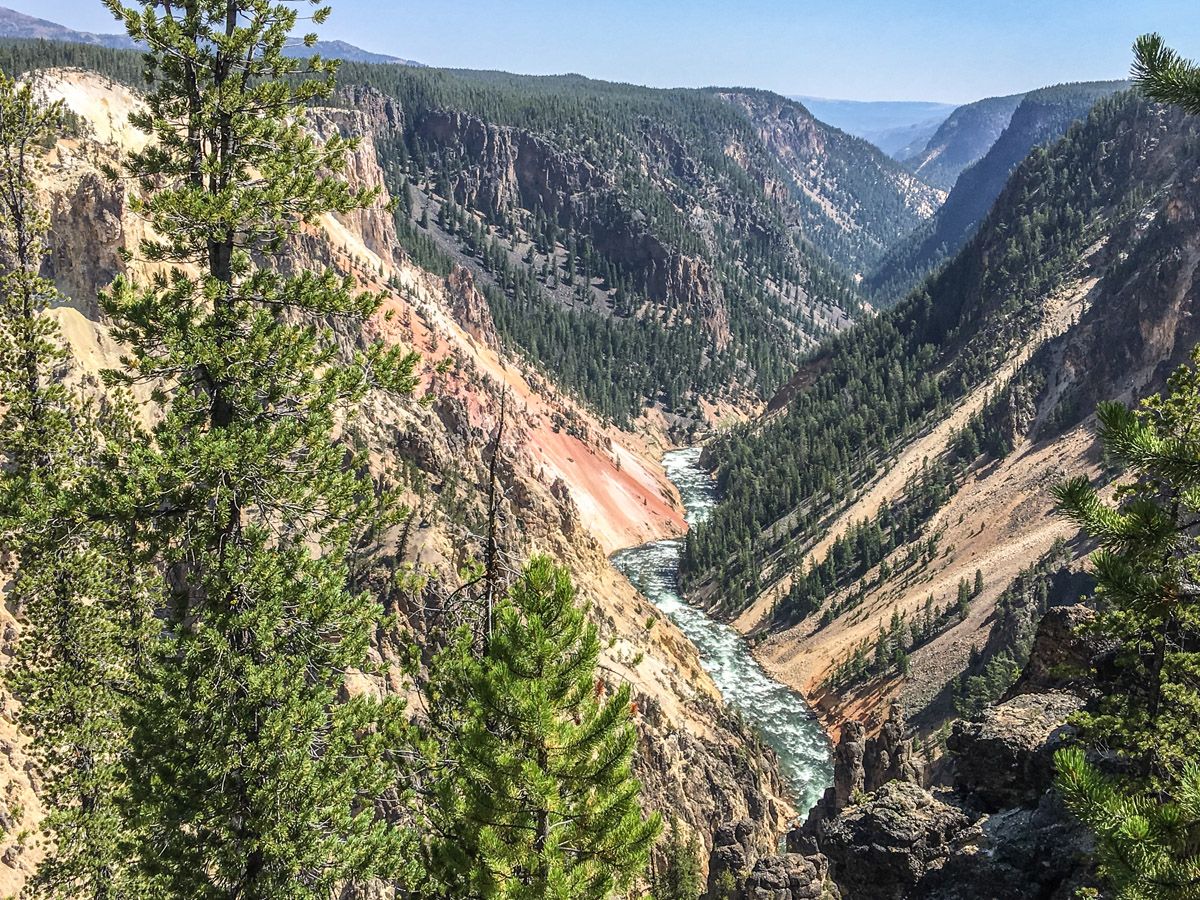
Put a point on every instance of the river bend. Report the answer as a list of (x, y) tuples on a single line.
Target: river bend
[(777, 712)]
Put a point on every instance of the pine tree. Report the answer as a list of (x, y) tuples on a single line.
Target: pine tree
[(1147, 849), (1163, 75), (534, 796), (963, 600), (249, 776), (678, 877), (1145, 819), (71, 659), (1145, 570)]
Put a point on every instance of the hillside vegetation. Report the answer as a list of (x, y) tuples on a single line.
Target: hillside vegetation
[(1041, 118), (886, 380)]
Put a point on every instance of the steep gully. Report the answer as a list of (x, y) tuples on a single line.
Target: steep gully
[(778, 713)]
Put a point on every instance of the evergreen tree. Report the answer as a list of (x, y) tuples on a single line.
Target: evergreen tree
[(250, 778), (1148, 844), (1163, 75), (963, 601), (68, 661), (1145, 572), (1147, 849), (678, 877), (534, 796)]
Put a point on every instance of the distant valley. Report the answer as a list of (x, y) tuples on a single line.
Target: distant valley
[(900, 128)]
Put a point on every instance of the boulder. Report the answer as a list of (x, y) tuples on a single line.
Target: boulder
[(1019, 853), (1063, 655), (1007, 758), (883, 848), (1039, 852), (790, 877), (733, 854)]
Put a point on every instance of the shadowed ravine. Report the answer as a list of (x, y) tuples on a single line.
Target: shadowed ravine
[(778, 712)]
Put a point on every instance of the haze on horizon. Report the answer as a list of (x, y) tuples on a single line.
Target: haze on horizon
[(855, 49)]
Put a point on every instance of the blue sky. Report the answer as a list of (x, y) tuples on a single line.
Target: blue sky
[(947, 50)]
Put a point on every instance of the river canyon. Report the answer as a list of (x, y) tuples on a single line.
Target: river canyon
[(776, 711)]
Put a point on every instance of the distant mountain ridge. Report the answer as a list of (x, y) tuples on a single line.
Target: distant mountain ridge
[(18, 25), (900, 128), (963, 139), (1042, 117), (15, 24), (855, 202)]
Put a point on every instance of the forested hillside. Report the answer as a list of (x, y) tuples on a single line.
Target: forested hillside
[(1042, 116), (683, 249), (963, 139), (894, 376), (919, 545)]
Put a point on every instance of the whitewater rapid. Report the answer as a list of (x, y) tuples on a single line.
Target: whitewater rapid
[(777, 712)]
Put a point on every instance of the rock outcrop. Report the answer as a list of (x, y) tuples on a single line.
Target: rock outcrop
[(738, 870), (733, 855), (889, 755), (1007, 758), (790, 877), (503, 168), (886, 846), (862, 764), (471, 308), (1063, 653), (904, 843), (829, 190), (1000, 832), (849, 773), (88, 215)]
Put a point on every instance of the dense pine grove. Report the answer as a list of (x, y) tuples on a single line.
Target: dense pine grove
[(866, 545), (614, 364)]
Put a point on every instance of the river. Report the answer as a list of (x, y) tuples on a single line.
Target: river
[(778, 713)]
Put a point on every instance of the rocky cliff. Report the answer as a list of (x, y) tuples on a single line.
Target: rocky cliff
[(996, 830), (503, 168), (852, 200)]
